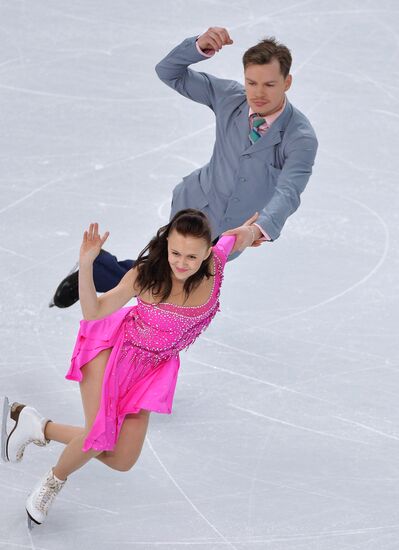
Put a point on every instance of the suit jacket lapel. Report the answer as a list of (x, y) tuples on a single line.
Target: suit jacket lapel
[(242, 123)]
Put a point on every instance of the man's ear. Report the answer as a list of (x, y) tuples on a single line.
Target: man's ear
[(288, 82)]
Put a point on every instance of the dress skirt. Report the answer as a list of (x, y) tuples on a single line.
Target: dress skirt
[(130, 383)]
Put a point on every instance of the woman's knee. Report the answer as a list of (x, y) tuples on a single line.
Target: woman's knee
[(123, 465)]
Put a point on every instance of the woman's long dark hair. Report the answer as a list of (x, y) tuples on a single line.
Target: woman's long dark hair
[(154, 272)]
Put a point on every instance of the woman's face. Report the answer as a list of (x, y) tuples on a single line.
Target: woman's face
[(186, 254)]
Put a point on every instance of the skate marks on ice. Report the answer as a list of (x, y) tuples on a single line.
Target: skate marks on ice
[(187, 498)]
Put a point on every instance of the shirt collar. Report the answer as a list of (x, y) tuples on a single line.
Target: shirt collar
[(271, 118)]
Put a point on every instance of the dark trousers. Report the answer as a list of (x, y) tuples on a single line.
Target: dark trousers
[(108, 271)]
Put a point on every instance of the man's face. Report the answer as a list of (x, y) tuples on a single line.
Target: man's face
[(265, 87)]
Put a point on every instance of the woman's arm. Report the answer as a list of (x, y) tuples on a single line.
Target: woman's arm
[(94, 307), (117, 297), (225, 245)]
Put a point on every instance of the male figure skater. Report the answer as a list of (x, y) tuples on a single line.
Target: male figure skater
[(262, 158)]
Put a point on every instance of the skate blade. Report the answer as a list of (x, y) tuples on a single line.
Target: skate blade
[(31, 522), (4, 418)]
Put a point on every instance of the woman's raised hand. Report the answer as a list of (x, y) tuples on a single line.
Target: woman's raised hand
[(91, 244)]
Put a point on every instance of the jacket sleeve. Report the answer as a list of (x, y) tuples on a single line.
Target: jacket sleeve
[(200, 87), (292, 180)]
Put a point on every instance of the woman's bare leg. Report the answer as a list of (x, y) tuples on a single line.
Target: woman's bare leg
[(130, 440), (72, 458), (118, 459), (63, 433)]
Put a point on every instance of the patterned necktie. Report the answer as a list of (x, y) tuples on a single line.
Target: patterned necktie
[(254, 122)]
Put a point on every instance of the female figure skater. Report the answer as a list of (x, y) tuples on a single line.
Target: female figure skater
[(126, 358)]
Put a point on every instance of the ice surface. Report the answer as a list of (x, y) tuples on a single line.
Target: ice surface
[(285, 426)]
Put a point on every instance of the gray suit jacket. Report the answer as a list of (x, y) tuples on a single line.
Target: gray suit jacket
[(241, 178)]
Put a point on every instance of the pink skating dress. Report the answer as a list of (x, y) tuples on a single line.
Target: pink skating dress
[(142, 368)]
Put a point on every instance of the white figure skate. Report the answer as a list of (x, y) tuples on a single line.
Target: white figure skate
[(42, 497), (29, 428)]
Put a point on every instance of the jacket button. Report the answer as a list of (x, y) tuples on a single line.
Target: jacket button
[(228, 219), (236, 199), (243, 179), (246, 156)]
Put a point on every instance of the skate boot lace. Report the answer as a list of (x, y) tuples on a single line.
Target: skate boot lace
[(47, 494), (21, 450)]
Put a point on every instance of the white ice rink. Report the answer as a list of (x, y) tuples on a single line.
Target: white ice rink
[(285, 430)]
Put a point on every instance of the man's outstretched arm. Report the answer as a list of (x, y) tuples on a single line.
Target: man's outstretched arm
[(268, 223), (291, 182), (174, 72)]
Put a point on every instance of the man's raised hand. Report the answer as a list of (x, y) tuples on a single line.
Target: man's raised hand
[(214, 39), (246, 234)]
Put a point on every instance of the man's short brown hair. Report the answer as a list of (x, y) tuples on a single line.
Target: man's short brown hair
[(265, 51)]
